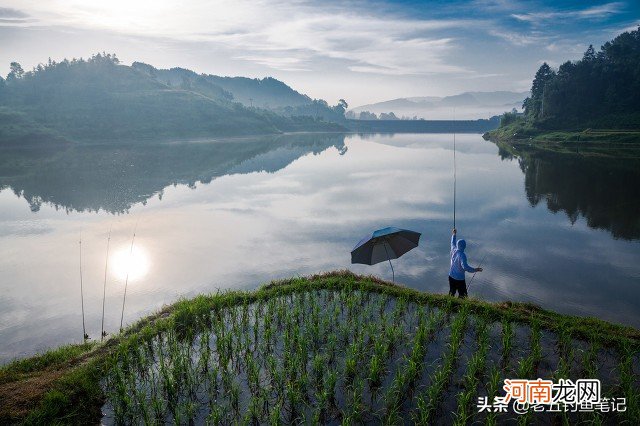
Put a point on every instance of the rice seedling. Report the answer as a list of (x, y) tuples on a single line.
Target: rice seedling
[(507, 341), (471, 379), (429, 400), (632, 413), (492, 391), (337, 350), (590, 370)]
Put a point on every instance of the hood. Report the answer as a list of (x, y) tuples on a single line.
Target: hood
[(461, 245)]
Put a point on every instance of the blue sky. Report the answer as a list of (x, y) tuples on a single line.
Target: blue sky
[(363, 51)]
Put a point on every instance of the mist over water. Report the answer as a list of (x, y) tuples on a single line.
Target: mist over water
[(558, 231)]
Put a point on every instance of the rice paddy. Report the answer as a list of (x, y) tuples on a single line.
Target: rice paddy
[(344, 349), (342, 356)]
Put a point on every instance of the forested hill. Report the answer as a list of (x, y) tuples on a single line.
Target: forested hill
[(264, 93), (267, 93), (602, 90), (99, 99)]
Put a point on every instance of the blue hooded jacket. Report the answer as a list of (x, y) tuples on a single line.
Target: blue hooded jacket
[(459, 260)]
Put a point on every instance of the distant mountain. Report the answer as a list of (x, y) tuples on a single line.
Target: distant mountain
[(99, 99), (264, 93), (468, 105)]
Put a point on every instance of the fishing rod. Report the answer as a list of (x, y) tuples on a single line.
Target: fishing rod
[(85, 336), (104, 289), (454, 168), (126, 281)]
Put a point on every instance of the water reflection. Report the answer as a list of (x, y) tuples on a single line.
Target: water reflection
[(130, 263), (234, 214), (114, 178), (602, 189)]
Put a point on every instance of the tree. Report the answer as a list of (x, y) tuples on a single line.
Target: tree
[(534, 106), (341, 107), (389, 116), (366, 115), (590, 54), (600, 90), (16, 71), (544, 74)]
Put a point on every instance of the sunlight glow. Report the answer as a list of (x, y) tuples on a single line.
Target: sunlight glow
[(135, 263)]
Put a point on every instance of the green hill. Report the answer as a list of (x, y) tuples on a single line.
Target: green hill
[(99, 99), (267, 93)]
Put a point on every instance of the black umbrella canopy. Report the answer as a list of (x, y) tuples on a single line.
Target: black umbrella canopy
[(384, 244)]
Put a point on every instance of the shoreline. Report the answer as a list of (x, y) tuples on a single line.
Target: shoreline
[(525, 133)]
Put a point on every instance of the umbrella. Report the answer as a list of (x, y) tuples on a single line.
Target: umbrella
[(384, 244)]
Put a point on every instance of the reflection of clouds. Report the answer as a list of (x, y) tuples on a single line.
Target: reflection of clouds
[(242, 230), (24, 228), (536, 257)]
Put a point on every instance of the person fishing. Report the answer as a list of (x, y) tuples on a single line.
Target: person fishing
[(459, 265)]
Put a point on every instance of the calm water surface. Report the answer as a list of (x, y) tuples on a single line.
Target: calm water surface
[(561, 231)]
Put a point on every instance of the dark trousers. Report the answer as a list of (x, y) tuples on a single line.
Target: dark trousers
[(457, 285)]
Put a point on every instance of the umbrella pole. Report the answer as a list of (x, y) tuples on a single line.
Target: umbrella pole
[(393, 274)]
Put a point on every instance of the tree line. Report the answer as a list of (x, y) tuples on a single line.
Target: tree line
[(100, 99), (602, 90)]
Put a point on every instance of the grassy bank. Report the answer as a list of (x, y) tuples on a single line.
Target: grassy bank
[(329, 348), (523, 131)]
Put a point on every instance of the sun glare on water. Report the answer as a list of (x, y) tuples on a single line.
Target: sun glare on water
[(133, 262)]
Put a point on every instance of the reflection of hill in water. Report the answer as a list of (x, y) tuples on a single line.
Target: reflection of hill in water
[(603, 190), (114, 178)]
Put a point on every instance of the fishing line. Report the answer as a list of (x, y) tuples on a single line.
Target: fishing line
[(85, 336), (104, 289), (126, 281), (474, 274)]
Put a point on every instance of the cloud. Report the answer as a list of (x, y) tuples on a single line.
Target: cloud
[(281, 35), (592, 13), (517, 38), (632, 27), (8, 13), (13, 17), (284, 63), (367, 43), (326, 49)]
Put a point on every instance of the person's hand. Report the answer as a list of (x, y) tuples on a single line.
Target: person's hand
[(454, 231), (478, 269)]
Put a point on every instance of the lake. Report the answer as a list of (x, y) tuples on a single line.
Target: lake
[(558, 230)]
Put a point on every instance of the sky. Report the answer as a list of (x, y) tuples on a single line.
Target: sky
[(362, 51)]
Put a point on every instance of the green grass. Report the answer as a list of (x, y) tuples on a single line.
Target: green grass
[(521, 136), (335, 347), (50, 359)]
